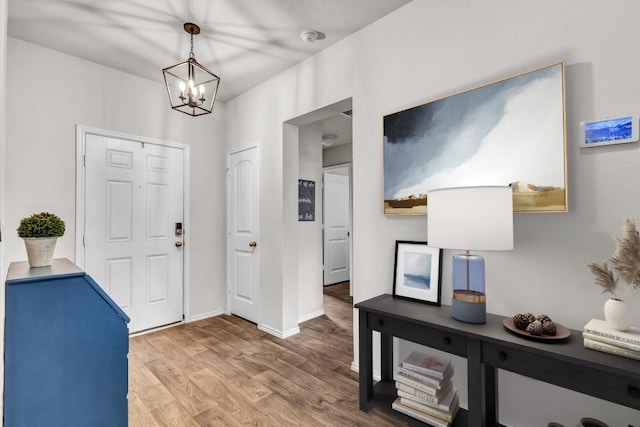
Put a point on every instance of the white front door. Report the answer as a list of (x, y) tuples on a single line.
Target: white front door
[(243, 253), (336, 218), (134, 199)]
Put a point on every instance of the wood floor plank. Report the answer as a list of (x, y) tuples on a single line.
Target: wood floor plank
[(235, 342), (219, 365), (228, 401), (224, 371), (335, 379), (310, 384), (190, 398), (139, 415), (282, 413), (173, 415), (143, 377), (155, 396)]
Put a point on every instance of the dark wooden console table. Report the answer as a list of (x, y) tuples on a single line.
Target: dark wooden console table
[(487, 348)]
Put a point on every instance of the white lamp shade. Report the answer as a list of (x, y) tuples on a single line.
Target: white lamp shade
[(471, 218)]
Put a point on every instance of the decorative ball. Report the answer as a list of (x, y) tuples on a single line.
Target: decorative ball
[(530, 317), (549, 327), (521, 321), (543, 318), (535, 328)]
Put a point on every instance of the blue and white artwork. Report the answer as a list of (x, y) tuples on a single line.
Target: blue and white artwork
[(608, 130), (417, 270), (416, 274), (507, 133)]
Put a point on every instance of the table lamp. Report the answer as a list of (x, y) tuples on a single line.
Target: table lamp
[(470, 218)]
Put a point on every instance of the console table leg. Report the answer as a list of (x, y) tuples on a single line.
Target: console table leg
[(491, 394), (475, 385), (386, 357), (365, 360)]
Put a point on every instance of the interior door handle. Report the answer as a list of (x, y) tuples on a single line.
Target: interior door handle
[(253, 244), (178, 244)]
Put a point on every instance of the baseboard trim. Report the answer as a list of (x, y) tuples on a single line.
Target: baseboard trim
[(356, 368), (278, 333), (206, 315), (311, 316)]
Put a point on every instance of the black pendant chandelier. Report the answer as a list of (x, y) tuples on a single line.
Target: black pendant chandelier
[(191, 87)]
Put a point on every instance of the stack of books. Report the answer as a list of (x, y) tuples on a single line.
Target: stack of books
[(425, 389), (598, 336)]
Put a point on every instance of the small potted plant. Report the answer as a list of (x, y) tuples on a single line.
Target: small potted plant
[(625, 267), (40, 233)]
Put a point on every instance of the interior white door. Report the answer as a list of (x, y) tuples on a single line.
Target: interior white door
[(134, 198), (243, 206), (336, 217)]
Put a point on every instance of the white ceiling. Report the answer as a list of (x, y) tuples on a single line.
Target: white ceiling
[(338, 125), (245, 42)]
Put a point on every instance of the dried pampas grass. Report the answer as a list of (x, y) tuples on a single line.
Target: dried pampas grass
[(625, 263)]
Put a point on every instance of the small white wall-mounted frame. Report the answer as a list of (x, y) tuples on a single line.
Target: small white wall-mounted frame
[(609, 131)]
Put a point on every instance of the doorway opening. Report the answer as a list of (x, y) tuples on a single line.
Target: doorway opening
[(324, 145)]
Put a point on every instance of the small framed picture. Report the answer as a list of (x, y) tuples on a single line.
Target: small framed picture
[(609, 131), (416, 274)]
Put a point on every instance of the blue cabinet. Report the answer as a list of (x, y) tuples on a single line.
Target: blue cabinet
[(66, 346)]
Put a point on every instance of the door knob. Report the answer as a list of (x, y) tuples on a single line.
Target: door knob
[(253, 244), (178, 244)]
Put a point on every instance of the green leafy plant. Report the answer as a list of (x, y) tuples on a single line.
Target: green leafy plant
[(623, 266), (43, 224)]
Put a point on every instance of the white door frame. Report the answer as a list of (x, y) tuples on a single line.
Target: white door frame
[(329, 169), (255, 146), (81, 133)]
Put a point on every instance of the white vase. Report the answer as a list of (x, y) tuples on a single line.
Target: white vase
[(618, 314), (40, 250)]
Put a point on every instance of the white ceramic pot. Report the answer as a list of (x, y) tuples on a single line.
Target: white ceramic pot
[(618, 314), (40, 250)]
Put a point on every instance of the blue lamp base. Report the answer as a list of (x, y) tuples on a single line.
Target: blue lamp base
[(469, 300), (469, 311)]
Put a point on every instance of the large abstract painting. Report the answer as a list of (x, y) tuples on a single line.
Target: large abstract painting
[(511, 132)]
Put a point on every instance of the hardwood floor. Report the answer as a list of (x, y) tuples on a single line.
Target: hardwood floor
[(223, 371)]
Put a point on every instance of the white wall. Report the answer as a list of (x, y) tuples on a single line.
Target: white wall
[(546, 272), (430, 49), (49, 94), (310, 232)]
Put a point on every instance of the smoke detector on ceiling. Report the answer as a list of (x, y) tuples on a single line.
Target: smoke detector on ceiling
[(309, 36), (328, 140)]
